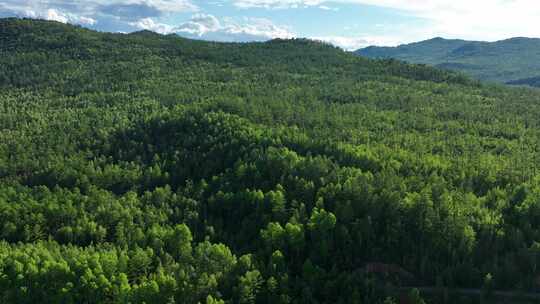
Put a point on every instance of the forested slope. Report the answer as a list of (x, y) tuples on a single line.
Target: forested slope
[(146, 168), (513, 61)]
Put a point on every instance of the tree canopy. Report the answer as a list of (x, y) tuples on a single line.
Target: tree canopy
[(142, 168)]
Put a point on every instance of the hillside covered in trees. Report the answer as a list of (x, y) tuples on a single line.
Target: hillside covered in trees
[(514, 61), (141, 168)]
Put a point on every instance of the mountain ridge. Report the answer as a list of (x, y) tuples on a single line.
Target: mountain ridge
[(509, 61)]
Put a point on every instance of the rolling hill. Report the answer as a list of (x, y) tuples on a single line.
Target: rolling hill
[(512, 61), (142, 168)]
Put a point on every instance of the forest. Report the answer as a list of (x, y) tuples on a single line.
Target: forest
[(513, 61), (147, 168)]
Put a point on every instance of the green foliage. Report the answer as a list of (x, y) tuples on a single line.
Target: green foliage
[(415, 298), (146, 168), (513, 61)]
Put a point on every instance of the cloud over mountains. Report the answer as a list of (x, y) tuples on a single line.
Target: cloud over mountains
[(255, 19), (110, 15), (209, 27), (131, 15)]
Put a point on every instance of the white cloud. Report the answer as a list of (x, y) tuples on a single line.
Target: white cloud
[(114, 15), (151, 25), (477, 19), (171, 5), (200, 24), (276, 4), (86, 21), (55, 15), (130, 15), (260, 27), (209, 27), (354, 43), (327, 8)]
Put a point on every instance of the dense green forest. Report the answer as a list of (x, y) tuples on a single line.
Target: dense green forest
[(514, 61), (142, 168)]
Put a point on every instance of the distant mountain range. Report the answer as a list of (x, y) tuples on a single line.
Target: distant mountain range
[(513, 61)]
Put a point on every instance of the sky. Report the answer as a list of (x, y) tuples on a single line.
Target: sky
[(349, 24)]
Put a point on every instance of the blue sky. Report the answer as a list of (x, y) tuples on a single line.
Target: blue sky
[(350, 24)]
